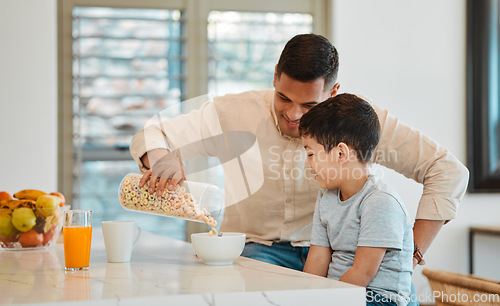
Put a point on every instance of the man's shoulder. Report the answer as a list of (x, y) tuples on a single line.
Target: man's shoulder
[(259, 97), (245, 111)]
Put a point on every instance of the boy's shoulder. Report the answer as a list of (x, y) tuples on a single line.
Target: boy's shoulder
[(378, 190), (382, 187)]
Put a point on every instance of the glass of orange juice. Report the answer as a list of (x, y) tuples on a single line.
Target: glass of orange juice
[(77, 233)]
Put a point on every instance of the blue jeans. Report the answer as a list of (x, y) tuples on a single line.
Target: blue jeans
[(374, 299), (280, 253), (413, 296)]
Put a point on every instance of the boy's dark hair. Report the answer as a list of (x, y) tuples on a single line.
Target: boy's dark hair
[(343, 118), (307, 57)]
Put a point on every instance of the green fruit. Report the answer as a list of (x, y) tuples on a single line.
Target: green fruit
[(7, 230), (23, 219), (47, 204)]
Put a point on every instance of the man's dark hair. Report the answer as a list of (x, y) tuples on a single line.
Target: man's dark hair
[(344, 118), (307, 57)]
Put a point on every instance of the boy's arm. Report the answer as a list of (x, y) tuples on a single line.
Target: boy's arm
[(318, 260), (365, 266)]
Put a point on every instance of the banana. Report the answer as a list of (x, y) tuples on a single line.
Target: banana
[(29, 194), (13, 204)]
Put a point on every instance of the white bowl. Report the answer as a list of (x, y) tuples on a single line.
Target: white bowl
[(218, 251)]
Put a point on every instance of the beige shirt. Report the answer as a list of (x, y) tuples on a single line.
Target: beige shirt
[(270, 195)]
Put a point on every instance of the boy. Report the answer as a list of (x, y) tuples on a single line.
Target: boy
[(361, 231)]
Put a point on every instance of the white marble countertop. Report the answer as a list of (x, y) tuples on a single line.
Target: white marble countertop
[(161, 271)]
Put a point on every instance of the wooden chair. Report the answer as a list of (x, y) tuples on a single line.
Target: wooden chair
[(459, 289)]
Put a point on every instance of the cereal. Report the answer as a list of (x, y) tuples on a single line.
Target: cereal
[(212, 232), (174, 203)]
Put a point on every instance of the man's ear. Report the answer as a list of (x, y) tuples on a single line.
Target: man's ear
[(343, 152), (334, 90), (275, 75)]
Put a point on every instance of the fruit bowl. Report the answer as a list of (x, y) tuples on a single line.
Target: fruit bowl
[(32, 220)]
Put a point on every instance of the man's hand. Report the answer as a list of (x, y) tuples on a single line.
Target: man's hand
[(166, 168)]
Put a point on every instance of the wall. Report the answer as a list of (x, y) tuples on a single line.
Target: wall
[(28, 97), (409, 57)]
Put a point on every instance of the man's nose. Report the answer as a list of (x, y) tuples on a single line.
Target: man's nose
[(295, 113)]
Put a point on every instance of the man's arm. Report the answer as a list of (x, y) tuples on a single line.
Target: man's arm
[(318, 260), (365, 266), (416, 156), (184, 135), (145, 160), (424, 232)]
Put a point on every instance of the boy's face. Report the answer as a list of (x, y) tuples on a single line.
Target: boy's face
[(325, 166), (292, 99)]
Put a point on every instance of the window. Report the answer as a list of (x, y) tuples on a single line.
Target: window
[(127, 66), (483, 96), (119, 64), (238, 62)]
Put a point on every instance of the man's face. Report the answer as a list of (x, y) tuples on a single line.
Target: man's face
[(293, 98), (325, 166)]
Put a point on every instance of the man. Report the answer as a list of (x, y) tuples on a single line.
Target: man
[(272, 199)]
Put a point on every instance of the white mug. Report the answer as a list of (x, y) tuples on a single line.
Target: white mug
[(119, 239)]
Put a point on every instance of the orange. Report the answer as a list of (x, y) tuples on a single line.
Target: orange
[(63, 199), (30, 239), (4, 195)]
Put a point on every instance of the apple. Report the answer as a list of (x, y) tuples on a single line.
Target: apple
[(7, 230), (47, 204), (8, 242), (49, 235), (58, 194), (23, 219)]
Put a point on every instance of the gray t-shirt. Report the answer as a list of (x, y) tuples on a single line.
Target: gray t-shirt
[(373, 217)]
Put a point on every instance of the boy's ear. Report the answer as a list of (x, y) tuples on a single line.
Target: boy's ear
[(343, 151)]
